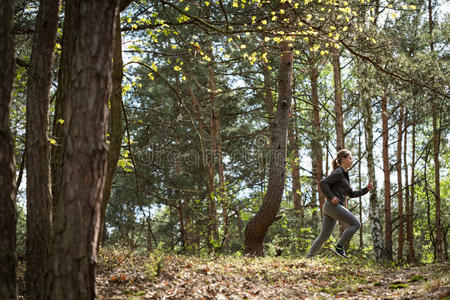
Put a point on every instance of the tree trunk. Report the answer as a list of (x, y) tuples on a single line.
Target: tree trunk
[(410, 223), (361, 241), (374, 212), (116, 127), (295, 164), (338, 99), (214, 119), (436, 139), (8, 259), (400, 187), (258, 226), (39, 197), (317, 152), (58, 120), (387, 176), (437, 191), (405, 167), (76, 223)]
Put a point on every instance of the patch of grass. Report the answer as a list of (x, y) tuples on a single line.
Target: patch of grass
[(416, 278), (395, 286)]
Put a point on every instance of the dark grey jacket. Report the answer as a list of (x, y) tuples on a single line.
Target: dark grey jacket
[(337, 184)]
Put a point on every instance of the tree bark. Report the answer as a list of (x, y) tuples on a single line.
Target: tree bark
[(258, 226), (410, 222), (339, 122), (214, 137), (387, 176), (374, 213), (316, 146), (116, 126), (76, 223), (401, 237), (436, 139), (361, 241), (39, 197), (8, 258), (405, 167), (295, 164), (58, 120)]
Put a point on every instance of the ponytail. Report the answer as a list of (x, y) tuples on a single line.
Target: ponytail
[(336, 162)]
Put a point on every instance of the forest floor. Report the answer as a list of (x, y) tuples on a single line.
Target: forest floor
[(122, 276)]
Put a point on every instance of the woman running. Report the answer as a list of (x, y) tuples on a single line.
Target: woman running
[(336, 187)]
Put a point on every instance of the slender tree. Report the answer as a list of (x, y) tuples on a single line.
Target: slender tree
[(8, 259), (256, 229), (339, 119), (39, 197), (387, 175), (76, 223), (295, 162), (317, 151), (410, 220), (374, 213), (398, 164), (436, 141)]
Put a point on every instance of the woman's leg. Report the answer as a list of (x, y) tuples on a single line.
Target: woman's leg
[(328, 224), (341, 213)]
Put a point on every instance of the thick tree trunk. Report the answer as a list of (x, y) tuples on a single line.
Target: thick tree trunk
[(317, 152), (116, 127), (401, 237), (39, 197), (374, 211), (8, 259), (387, 176), (258, 226), (76, 223), (58, 120)]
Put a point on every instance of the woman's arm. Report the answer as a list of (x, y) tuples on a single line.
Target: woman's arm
[(362, 192)]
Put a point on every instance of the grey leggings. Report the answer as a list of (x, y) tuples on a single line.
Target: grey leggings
[(331, 214)]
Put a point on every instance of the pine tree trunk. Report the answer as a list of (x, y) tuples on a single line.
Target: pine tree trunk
[(338, 99), (400, 187), (214, 139), (317, 151), (361, 241), (436, 140), (116, 127), (258, 226), (295, 164), (76, 223), (407, 187), (374, 212), (58, 120), (387, 176), (39, 197), (410, 223), (437, 190), (8, 259)]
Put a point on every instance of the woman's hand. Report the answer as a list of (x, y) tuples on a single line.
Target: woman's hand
[(335, 200), (370, 186)]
